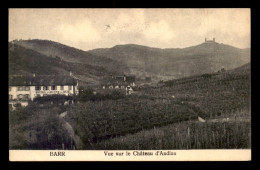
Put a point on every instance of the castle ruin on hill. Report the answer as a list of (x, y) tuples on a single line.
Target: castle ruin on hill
[(209, 41)]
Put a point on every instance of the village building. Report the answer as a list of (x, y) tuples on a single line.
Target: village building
[(118, 82), (23, 89)]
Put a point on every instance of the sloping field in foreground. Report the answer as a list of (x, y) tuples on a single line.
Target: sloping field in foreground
[(222, 134)]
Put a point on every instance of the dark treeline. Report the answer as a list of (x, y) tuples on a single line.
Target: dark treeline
[(87, 94)]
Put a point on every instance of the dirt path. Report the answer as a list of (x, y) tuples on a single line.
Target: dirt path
[(68, 127)]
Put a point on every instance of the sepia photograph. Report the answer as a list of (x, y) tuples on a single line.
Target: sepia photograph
[(129, 84)]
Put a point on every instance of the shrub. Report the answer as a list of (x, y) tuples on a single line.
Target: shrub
[(36, 128), (56, 99), (17, 105), (84, 94), (88, 95)]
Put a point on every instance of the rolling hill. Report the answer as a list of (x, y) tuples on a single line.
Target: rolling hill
[(24, 61), (141, 61), (71, 55), (175, 62)]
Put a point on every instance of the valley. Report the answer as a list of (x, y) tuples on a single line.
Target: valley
[(173, 88)]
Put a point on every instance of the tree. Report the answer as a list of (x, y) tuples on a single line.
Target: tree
[(84, 94)]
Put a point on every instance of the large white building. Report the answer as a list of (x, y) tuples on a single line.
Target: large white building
[(25, 88)]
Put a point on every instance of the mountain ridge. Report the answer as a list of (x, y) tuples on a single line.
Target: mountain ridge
[(70, 54), (24, 61), (176, 62), (143, 61)]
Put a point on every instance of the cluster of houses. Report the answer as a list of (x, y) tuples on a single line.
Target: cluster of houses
[(23, 89), (119, 82)]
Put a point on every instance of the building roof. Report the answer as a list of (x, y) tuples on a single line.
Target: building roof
[(42, 80), (118, 80)]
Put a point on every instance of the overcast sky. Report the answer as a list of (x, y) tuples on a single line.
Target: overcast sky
[(104, 28)]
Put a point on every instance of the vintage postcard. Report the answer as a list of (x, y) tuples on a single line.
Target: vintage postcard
[(129, 84)]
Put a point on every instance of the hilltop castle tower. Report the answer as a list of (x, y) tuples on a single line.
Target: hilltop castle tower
[(209, 41)]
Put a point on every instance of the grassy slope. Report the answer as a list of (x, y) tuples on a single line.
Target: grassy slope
[(230, 98), (185, 135), (214, 95)]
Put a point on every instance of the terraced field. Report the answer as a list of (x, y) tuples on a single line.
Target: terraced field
[(209, 96)]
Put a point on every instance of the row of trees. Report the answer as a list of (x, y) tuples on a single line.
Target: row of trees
[(89, 95)]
